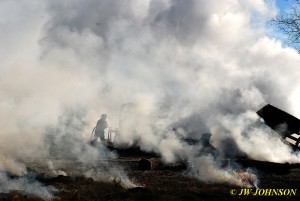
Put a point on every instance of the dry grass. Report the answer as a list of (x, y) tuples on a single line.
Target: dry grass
[(159, 185)]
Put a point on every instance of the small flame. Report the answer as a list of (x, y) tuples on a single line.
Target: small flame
[(248, 177)]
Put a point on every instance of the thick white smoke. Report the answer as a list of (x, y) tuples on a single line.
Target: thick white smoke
[(194, 65)]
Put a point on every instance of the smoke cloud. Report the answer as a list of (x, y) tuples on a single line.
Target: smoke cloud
[(162, 70)]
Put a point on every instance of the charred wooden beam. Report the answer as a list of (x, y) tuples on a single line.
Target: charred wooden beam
[(275, 118), (283, 123)]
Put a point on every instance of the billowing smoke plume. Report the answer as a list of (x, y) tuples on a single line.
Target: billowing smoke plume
[(169, 69)]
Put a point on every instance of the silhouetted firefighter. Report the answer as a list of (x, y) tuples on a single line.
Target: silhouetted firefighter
[(99, 129)]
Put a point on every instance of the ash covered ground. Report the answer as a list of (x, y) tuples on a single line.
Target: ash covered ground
[(169, 183)]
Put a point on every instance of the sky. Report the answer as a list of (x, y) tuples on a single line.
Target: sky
[(282, 4), (273, 32)]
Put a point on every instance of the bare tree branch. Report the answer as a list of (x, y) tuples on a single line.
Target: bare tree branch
[(289, 23)]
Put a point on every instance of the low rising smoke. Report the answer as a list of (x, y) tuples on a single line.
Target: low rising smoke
[(66, 141), (254, 138), (187, 66), (14, 176), (207, 169)]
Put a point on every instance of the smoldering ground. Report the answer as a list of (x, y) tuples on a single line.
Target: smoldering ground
[(202, 66)]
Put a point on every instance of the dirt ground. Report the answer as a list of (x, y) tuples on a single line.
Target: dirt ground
[(166, 185)]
